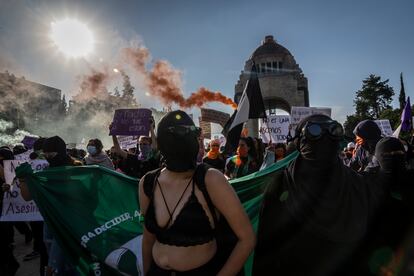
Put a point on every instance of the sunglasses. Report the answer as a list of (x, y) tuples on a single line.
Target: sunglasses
[(183, 130), (315, 130)]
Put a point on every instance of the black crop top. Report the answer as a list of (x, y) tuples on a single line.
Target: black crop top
[(190, 227)]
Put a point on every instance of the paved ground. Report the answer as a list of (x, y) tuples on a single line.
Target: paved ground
[(28, 268)]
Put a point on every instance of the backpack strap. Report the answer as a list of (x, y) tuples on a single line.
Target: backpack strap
[(149, 182), (199, 177)]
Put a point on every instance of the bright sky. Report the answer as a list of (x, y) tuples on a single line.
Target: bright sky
[(336, 43)]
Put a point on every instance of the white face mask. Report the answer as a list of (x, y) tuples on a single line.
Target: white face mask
[(405, 148)]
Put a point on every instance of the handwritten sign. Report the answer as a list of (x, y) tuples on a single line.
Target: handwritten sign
[(206, 128), (15, 208), (276, 127), (299, 112), (128, 142), (131, 122), (214, 116), (385, 127)]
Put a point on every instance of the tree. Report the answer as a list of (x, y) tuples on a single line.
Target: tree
[(374, 97), (116, 92), (350, 124), (128, 92), (401, 97)]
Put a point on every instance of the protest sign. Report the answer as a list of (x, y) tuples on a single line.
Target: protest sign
[(214, 116), (206, 128), (29, 141), (131, 122), (385, 127), (15, 208), (299, 112), (25, 156), (275, 127), (128, 142)]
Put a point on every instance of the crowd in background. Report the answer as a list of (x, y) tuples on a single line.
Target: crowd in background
[(250, 156)]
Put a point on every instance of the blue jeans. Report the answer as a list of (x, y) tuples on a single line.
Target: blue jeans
[(57, 259)]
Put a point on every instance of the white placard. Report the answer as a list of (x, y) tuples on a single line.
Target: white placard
[(15, 208), (385, 127), (25, 156), (297, 113), (127, 142), (276, 127)]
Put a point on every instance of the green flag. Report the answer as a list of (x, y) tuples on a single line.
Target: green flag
[(94, 213)]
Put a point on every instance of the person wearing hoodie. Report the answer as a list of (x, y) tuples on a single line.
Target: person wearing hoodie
[(96, 156), (55, 153), (367, 135), (315, 213)]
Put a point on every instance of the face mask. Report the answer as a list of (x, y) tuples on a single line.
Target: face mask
[(405, 148), (179, 151), (324, 150), (91, 150), (242, 151), (56, 160), (144, 150)]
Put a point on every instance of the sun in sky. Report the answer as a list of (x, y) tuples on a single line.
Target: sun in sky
[(72, 37)]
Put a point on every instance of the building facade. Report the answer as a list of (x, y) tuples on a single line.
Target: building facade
[(282, 81)]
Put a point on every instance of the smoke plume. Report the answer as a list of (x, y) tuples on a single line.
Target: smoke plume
[(164, 81), (93, 86)]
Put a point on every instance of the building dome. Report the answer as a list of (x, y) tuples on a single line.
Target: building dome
[(270, 47)]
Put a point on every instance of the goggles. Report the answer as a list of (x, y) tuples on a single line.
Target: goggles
[(315, 130), (183, 130)]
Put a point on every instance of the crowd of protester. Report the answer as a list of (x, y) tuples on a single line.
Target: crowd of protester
[(341, 202)]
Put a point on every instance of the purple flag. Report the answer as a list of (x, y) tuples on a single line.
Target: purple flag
[(406, 117), (131, 122)]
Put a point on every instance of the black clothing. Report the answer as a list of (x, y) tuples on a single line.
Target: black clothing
[(316, 213), (306, 230), (177, 139), (370, 132), (190, 227), (134, 167), (218, 163)]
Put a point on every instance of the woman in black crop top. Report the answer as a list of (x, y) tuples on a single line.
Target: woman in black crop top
[(179, 235)]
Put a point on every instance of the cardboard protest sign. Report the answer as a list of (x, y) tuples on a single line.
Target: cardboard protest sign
[(131, 122), (214, 116), (299, 112), (25, 156), (128, 142), (206, 128), (385, 127), (29, 141), (15, 208), (275, 127)]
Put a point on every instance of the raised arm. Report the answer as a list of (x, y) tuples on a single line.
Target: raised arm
[(152, 132), (228, 204), (117, 149), (148, 238)]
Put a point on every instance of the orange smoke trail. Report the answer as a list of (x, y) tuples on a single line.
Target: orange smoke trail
[(92, 86), (164, 81), (203, 95)]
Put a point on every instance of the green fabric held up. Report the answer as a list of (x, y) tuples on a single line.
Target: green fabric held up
[(94, 213)]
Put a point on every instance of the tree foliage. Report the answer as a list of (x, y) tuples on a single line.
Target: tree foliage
[(374, 97)]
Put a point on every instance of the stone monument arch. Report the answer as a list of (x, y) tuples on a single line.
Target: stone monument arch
[(282, 81)]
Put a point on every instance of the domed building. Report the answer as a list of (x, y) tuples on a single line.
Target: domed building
[(282, 81)]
